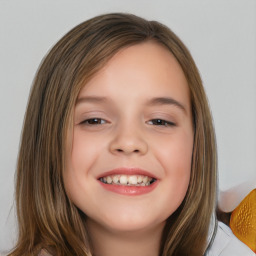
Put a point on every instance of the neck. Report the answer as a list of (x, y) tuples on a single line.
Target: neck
[(116, 243)]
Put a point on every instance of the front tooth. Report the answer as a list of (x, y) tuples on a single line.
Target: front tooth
[(133, 180), (109, 180), (145, 179), (139, 179), (123, 179)]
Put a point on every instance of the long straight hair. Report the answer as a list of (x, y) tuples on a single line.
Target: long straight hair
[(46, 217)]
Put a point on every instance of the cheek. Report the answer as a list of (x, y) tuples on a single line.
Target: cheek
[(80, 159), (175, 156), (85, 151), (175, 153)]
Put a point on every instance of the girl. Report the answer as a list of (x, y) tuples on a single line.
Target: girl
[(118, 152)]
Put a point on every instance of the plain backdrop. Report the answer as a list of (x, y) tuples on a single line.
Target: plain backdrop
[(221, 36)]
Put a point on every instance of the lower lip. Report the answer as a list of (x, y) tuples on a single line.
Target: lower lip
[(129, 190)]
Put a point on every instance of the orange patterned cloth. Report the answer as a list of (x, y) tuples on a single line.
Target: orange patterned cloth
[(243, 220)]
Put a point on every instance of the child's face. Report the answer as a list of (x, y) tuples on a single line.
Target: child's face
[(134, 117)]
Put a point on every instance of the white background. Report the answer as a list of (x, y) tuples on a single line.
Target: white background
[(221, 35)]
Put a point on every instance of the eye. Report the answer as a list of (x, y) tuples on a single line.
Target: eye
[(93, 121), (161, 122)]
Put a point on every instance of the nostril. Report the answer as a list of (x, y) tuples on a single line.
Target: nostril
[(121, 150)]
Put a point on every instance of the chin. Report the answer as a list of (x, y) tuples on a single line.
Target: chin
[(128, 221)]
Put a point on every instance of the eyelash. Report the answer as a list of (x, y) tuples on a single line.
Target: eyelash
[(161, 122), (100, 121), (93, 121)]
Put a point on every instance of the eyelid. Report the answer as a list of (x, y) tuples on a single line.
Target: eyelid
[(168, 117), (86, 121), (167, 123), (81, 116)]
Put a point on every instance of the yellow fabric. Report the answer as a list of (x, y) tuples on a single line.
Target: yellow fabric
[(243, 220)]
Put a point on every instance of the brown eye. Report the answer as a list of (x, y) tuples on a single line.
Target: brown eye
[(161, 122), (93, 121)]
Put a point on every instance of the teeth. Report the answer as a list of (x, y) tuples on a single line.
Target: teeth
[(128, 180), (139, 179), (123, 180), (109, 180), (115, 179), (132, 180), (145, 179)]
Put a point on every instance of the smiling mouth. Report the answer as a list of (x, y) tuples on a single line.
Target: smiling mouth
[(128, 180)]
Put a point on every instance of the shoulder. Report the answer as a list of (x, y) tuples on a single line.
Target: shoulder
[(226, 244)]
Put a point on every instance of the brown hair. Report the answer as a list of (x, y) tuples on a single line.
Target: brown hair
[(46, 217)]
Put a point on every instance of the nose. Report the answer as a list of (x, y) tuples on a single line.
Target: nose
[(128, 140)]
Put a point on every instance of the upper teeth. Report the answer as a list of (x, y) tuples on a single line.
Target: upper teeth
[(137, 180)]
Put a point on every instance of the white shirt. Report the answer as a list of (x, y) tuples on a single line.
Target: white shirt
[(227, 244)]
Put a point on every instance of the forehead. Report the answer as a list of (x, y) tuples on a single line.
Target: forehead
[(146, 68), (147, 56)]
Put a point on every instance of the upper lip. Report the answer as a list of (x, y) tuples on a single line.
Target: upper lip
[(127, 171)]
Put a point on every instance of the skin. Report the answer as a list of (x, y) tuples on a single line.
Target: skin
[(126, 134)]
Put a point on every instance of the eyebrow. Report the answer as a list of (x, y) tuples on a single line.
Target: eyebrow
[(151, 102), (91, 99), (167, 101)]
